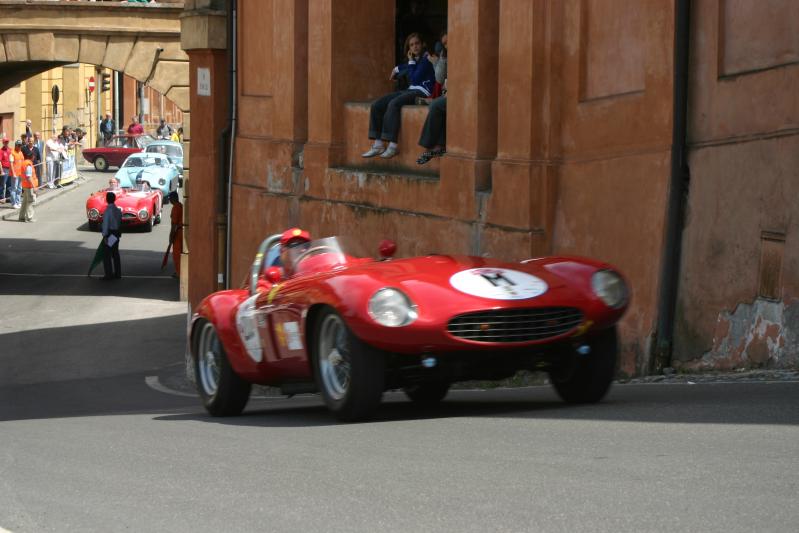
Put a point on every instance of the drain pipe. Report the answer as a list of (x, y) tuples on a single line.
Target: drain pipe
[(231, 130), (678, 193)]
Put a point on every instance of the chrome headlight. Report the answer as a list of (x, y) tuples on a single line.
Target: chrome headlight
[(391, 308), (161, 181), (610, 288), (143, 214), (94, 214)]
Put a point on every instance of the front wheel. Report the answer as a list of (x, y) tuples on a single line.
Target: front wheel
[(101, 164), (427, 394), (586, 378), (148, 226), (222, 391), (349, 373)]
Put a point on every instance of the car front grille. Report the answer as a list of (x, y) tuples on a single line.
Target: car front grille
[(128, 216), (515, 325)]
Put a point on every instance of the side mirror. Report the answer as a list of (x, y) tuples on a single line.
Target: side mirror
[(273, 274), (387, 248)]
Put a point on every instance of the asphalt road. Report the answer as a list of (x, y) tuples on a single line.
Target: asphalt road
[(92, 438)]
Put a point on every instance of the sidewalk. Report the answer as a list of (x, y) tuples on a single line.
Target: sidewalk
[(43, 195)]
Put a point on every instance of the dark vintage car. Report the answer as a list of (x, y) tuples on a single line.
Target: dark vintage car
[(114, 153), (333, 320)]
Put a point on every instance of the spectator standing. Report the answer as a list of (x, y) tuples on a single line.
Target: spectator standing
[(107, 128), (40, 170), (53, 154), (26, 151), (112, 221), (35, 158), (17, 165), (28, 129), (164, 130), (135, 128), (6, 169), (385, 112), (177, 135), (29, 184), (176, 230)]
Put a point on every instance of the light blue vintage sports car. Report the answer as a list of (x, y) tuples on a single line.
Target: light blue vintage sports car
[(155, 169), (173, 150)]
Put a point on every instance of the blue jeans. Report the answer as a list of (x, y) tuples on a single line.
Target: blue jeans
[(5, 192), (16, 190)]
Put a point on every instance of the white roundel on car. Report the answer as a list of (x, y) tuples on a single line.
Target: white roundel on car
[(498, 283), (246, 325)]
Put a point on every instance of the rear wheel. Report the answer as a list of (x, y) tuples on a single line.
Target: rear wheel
[(349, 373), (101, 163), (222, 391), (586, 378), (427, 394)]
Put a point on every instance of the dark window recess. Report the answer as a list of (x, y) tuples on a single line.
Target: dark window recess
[(772, 250), (426, 17)]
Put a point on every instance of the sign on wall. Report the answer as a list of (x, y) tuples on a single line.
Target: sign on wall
[(203, 82)]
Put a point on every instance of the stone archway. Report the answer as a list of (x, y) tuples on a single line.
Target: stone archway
[(140, 41)]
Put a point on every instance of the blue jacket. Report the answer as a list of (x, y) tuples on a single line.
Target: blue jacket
[(421, 74)]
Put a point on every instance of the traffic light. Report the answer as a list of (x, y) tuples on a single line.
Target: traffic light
[(105, 85)]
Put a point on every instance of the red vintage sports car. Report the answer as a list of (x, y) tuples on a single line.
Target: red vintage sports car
[(118, 148), (140, 205), (331, 319)]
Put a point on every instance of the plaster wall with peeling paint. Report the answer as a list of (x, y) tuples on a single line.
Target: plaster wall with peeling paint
[(739, 288)]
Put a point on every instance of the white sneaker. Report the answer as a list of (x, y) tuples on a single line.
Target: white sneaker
[(373, 151), (389, 152), (17, 206)]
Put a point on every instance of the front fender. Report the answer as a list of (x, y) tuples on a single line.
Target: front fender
[(219, 309)]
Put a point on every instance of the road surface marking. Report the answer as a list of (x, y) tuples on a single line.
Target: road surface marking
[(155, 384)]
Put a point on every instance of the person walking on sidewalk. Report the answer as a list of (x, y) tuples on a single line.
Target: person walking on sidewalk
[(176, 231), (112, 222), (29, 184)]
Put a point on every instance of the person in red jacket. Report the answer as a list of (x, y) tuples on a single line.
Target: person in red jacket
[(135, 127), (5, 170)]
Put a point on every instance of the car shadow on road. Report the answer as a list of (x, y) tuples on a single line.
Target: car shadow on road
[(738, 403)]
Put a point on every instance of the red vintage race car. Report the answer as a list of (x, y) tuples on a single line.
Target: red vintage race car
[(140, 205), (331, 319)]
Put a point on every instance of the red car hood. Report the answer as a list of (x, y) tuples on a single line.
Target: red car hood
[(125, 199)]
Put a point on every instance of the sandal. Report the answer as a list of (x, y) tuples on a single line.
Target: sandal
[(425, 157), (430, 154)]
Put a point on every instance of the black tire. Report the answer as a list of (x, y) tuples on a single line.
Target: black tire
[(222, 391), (349, 373), (157, 217), (100, 164), (94, 226), (427, 394), (587, 378)]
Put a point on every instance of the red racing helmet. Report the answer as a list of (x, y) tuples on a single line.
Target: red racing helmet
[(294, 234)]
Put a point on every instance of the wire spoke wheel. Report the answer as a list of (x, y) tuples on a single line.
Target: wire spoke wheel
[(223, 392), (209, 359), (350, 374), (334, 357)]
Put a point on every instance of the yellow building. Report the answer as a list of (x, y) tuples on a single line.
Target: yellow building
[(76, 106)]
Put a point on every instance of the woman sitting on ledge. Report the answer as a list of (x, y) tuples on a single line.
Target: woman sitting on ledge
[(384, 115)]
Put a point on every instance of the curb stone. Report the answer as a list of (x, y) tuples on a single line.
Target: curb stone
[(13, 214)]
